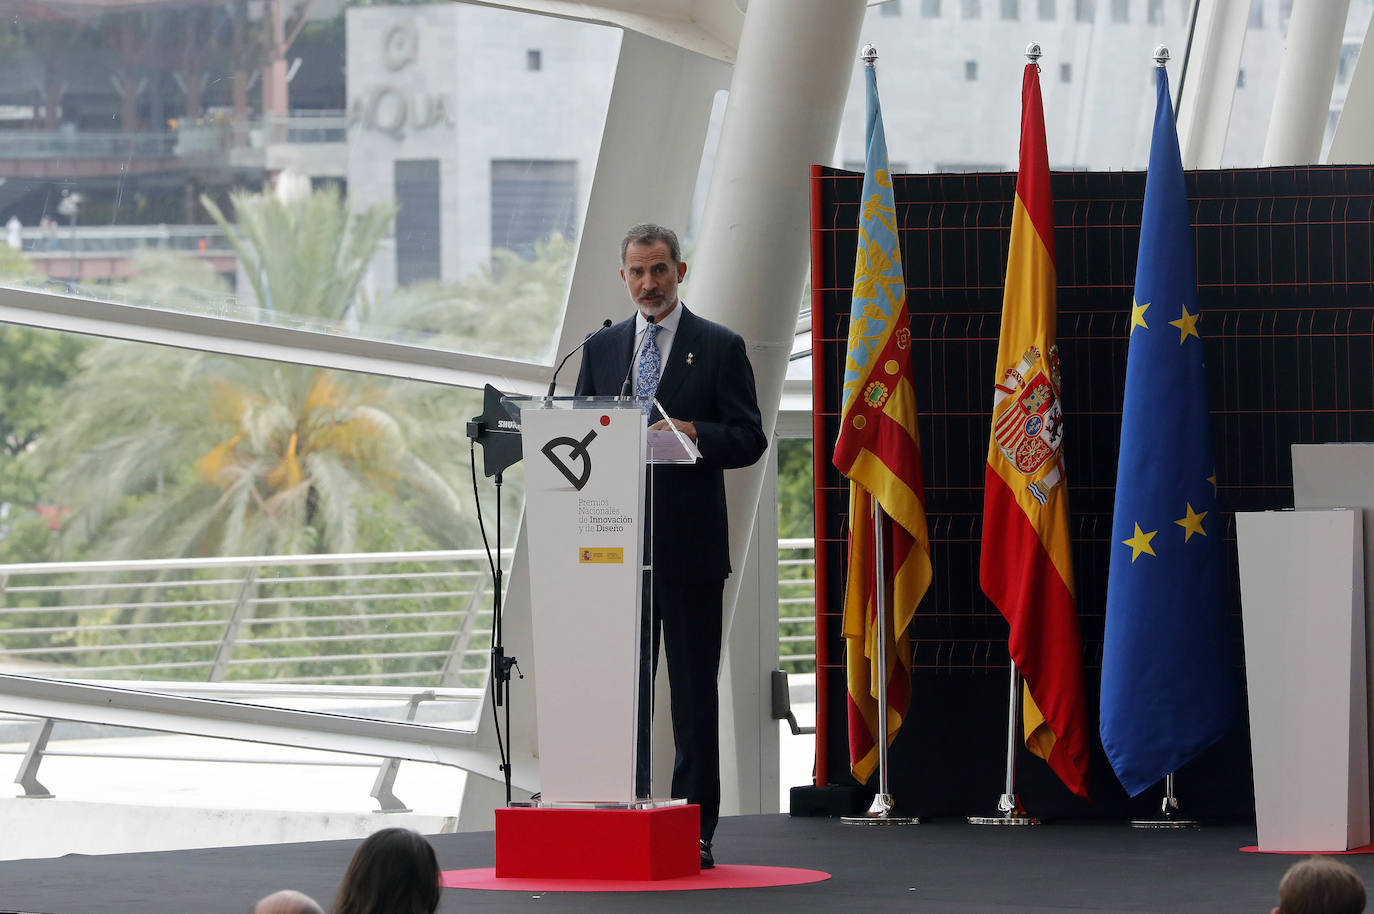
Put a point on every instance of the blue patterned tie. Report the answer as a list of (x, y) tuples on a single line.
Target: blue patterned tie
[(646, 380)]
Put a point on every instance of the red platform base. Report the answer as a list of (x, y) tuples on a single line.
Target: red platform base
[(662, 843)]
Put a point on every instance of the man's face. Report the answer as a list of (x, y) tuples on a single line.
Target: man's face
[(652, 277)]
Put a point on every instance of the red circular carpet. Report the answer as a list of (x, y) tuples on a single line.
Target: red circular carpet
[(724, 876), (1254, 849)]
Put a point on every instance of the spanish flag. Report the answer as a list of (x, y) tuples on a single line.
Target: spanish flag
[(1026, 566), (879, 449)]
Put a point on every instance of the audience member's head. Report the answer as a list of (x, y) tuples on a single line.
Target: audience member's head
[(393, 872), (1320, 885), (287, 901)]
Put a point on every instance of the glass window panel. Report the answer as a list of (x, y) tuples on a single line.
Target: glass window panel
[(418, 223), (1046, 8), (130, 132), (930, 9), (938, 111), (532, 201), (1121, 10), (139, 452), (1011, 9), (1260, 59), (892, 8)]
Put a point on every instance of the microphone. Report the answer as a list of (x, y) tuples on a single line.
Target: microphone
[(634, 354), (553, 380)]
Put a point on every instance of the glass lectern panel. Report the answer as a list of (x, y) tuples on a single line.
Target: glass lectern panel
[(664, 445)]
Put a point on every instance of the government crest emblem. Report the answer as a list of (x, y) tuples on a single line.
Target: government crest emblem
[(1027, 421)]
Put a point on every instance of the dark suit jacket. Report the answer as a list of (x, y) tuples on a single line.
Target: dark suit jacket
[(715, 393)]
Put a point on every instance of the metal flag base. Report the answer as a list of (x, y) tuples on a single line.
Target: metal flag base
[(1168, 808), (880, 813), (1169, 815), (1012, 814)]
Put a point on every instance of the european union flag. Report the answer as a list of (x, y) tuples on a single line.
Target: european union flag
[(1169, 689)]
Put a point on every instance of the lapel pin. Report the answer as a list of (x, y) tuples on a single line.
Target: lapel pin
[(689, 358)]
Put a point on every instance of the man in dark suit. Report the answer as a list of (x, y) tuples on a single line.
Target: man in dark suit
[(700, 374)]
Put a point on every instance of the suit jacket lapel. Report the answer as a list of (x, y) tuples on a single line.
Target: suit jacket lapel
[(677, 369)]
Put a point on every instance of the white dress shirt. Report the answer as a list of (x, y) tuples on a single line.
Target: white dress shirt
[(667, 330)]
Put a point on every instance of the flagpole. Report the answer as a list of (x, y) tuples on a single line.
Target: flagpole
[(1009, 805), (1170, 815), (880, 812)]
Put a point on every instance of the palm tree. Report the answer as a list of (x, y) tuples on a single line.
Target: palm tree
[(161, 452)]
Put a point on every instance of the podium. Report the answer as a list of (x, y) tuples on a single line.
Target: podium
[(587, 464), (1303, 608)]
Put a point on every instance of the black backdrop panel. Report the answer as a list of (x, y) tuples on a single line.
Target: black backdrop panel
[(1284, 269)]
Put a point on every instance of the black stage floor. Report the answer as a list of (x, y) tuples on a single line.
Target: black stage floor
[(940, 865)]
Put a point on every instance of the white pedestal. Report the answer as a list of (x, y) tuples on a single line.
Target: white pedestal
[(1341, 475), (1302, 598)]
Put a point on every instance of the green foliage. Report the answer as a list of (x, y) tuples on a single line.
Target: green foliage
[(163, 278), (162, 453), (796, 516), (796, 582), (305, 258), (33, 365), (491, 311)]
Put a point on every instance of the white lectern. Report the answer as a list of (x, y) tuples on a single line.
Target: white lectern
[(585, 474), (1302, 604), (586, 460)]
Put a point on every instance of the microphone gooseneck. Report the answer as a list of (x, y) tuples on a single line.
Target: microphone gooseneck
[(554, 380), (634, 354)]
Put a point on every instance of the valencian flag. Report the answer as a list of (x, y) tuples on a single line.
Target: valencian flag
[(879, 449), (1168, 684), (1026, 565)]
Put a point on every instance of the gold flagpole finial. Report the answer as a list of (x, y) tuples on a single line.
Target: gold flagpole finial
[(1033, 54), (869, 55), (1162, 56)]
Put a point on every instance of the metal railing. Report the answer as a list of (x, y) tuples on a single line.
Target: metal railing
[(412, 626), (421, 618), (86, 144), (189, 140), (797, 605), (413, 617), (123, 239)]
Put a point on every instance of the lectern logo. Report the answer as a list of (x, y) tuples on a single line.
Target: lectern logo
[(577, 451)]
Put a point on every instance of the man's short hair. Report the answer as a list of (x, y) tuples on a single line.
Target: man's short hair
[(647, 233), (1320, 885), (287, 901)]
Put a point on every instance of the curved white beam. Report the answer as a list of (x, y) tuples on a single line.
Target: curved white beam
[(227, 336), (1353, 141), (1303, 97), (1209, 86)]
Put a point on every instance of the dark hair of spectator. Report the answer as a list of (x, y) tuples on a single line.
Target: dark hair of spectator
[(394, 871), (1320, 885)]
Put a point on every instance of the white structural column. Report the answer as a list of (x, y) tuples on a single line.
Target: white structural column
[(1353, 141), (795, 62), (645, 172), (1209, 85), (1306, 76)]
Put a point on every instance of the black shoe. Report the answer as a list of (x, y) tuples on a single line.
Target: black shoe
[(707, 861)]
